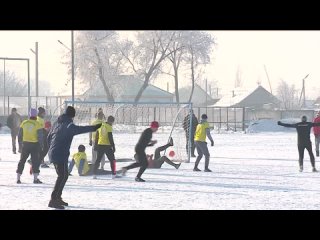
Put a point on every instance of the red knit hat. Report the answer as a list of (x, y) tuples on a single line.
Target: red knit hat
[(154, 124)]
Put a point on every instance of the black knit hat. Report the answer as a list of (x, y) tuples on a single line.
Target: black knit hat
[(41, 110), (204, 116), (70, 111), (81, 148)]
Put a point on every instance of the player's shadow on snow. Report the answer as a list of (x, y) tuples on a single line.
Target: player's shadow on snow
[(140, 189), (255, 158)]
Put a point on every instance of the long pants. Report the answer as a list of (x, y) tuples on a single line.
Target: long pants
[(42, 154), (63, 174), (158, 160), (157, 163), (14, 134), (108, 151), (27, 149), (301, 148), (141, 161), (193, 147), (94, 157), (317, 142), (202, 149)]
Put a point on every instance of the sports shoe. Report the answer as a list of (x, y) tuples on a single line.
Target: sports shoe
[(18, 182), (192, 155), (139, 179), (177, 165), (207, 170), (301, 169), (196, 169), (37, 181), (124, 171), (61, 202), (55, 204), (94, 177), (171, 141), (314, 170)]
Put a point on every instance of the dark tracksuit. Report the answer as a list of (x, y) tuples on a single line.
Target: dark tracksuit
[(13, 122), (30, 148), (141, 157), (303, 131), (159, 160), (194, 123), (59, 141), (105, 149)]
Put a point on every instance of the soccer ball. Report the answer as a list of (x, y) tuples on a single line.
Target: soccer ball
[(172, 153)]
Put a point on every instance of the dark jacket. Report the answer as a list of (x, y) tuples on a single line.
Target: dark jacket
[(144, 140), (14, 121), (61, 135), (194, 123), (303, 130)]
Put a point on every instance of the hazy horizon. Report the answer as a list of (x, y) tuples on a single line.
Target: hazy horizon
[(288, 55)]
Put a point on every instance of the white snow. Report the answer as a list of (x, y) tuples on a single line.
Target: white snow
[(250, 171)]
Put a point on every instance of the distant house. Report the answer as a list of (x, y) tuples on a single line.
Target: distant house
[(258, 98), (199, 98), (316, 103), (128, 89)]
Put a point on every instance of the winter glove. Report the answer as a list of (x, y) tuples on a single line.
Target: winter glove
[(212, 143), (279, 122), (98, 126), (90, 143)]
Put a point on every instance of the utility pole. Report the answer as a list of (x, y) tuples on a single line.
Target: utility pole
[(265, 68), (37, 67), (303, 92), (72, 66), (4, 87)]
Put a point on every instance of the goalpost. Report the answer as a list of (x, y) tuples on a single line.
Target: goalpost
[(131, 119)]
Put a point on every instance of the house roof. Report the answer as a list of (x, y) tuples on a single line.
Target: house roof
[(130, 87), (254, 97), (198, 97)]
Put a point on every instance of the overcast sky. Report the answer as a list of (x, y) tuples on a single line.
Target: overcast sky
[(288, 55)]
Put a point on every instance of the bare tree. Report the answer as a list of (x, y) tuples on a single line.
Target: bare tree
[(177, 50), (198, 45), (14, 86), (97, 59), (146, 57), (287, 95)]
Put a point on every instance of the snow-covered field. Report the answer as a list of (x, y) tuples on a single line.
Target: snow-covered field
[(250, 171)]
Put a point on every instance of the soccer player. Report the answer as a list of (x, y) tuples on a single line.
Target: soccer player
[(141, 157), (104, 144), (59, 140), (30, 139), (303, 130), (202, 131)]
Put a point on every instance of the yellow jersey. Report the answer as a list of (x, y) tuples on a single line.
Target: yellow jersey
[(41, 121), (104, 134), (30, 130), (200, 134), (81, 156), (95, 122)]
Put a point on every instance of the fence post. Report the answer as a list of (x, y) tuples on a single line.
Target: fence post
[(235, 119), (243, 119)]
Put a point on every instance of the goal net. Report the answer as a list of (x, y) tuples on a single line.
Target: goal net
[(131, 119)]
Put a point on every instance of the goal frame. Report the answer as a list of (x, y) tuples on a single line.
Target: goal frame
[(188, 105)]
